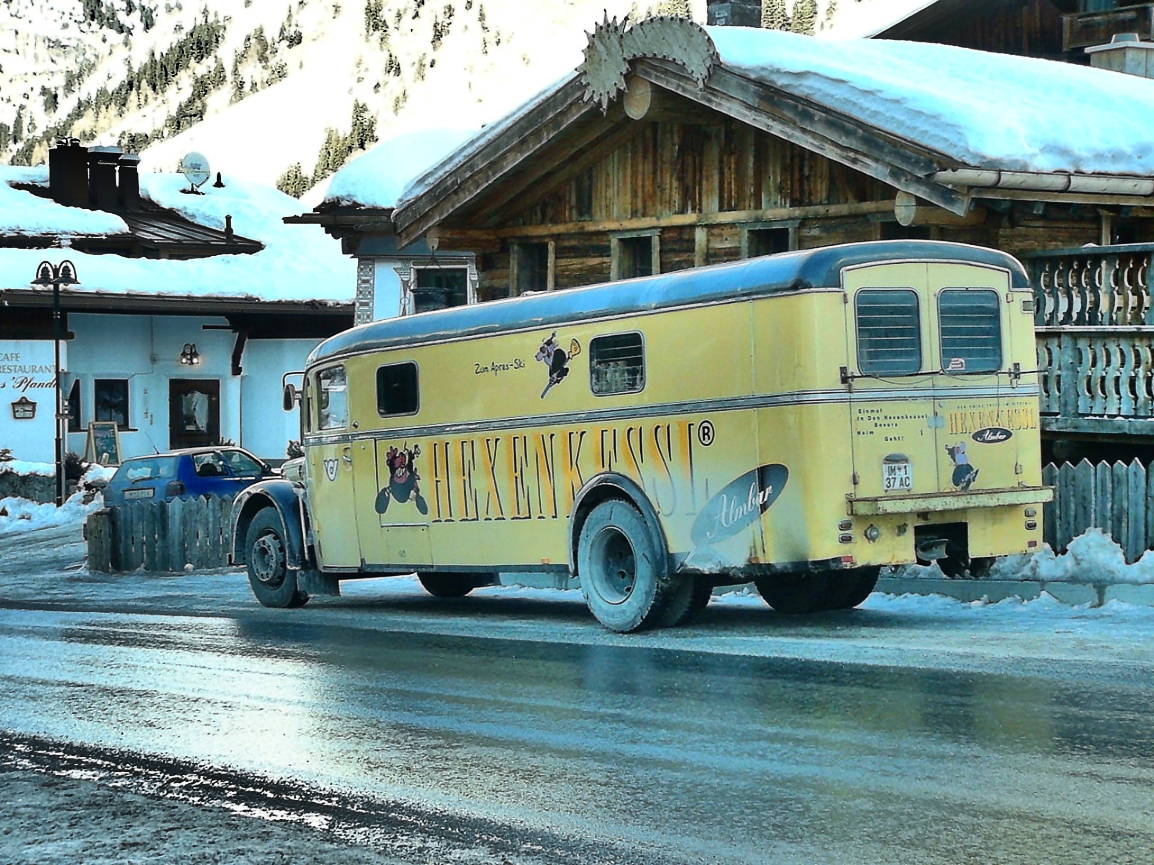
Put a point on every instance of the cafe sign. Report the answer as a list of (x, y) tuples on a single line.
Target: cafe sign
[(28, 397)]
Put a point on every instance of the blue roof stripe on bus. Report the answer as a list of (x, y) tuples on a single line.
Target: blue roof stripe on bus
[(754, 277)]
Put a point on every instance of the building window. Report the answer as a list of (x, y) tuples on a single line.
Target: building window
[(889, 336), (439, 287), (634, 255), (74, 407), (110, 400), (531, 267), (766, 241), (617, 364), (397, 391), (332, 399)]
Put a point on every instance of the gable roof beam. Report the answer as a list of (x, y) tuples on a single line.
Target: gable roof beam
[(507, 149), (816, 128)]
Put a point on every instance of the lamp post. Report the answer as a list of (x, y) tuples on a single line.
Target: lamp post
[(56, 276)]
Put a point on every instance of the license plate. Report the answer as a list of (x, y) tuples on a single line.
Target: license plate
[(897, 477), (140, 494)]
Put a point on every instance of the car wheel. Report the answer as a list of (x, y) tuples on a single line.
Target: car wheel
[(624, 571), (273, 583)]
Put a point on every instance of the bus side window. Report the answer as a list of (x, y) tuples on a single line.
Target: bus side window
[(397, 390), (332, 399), (617, 364), (889, 336), (971, 330)]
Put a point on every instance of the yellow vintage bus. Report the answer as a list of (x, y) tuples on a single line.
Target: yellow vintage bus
[(798, 421)]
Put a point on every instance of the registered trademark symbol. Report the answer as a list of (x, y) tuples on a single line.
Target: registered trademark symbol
[(706, 433)]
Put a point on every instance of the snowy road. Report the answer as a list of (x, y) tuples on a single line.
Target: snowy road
[(510, 727)]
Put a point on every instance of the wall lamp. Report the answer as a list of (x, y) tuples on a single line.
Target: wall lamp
[(189, 356)]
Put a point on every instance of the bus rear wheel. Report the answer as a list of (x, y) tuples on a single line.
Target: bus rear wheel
[(450, 585), (624, 571), (852, 587), (796, 594), (273, 583)]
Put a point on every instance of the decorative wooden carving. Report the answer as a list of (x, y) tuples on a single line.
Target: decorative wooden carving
[(613, 45)]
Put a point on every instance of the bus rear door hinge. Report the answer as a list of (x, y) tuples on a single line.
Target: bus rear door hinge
[(856, 479)]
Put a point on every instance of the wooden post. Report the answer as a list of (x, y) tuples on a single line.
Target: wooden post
[(99, 529)]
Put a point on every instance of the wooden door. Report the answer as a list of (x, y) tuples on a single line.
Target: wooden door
[(193, 412)]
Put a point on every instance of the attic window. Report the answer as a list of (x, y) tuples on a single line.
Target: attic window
[(767, 241), (531, 267), (633, 255)]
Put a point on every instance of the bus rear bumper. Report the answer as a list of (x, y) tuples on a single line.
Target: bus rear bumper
[(932, 502)]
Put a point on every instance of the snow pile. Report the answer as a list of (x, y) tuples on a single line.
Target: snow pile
[(22, 213), (977, 108), (380, 176), (21, 515), (299, 262), (27, 467)]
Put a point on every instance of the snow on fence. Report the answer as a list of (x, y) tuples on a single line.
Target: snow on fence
[(161, 536), (1110, 496)]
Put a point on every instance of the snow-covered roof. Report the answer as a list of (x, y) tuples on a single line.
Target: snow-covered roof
[(379, 177), (981, 109), (298, 263)]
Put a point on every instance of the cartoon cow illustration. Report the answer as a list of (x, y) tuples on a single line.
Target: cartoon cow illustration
[(403, 480), (554, 357), (964, 473)]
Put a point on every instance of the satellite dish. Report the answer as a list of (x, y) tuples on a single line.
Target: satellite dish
[(194, 167)]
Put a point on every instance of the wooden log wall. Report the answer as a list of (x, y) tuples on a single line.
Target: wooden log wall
[(161, 536)]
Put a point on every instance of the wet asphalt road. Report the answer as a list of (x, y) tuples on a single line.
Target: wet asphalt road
[(510, 731)]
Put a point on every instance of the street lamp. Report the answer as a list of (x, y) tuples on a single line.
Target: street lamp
[(56, 276)]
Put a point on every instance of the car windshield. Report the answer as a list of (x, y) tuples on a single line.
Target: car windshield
[(241, 463), (145, 469)]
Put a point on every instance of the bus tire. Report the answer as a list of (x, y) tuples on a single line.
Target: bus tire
[(796, 594), (273, 583), (624, 571), (451, 585), (701, 590), (853, 586)]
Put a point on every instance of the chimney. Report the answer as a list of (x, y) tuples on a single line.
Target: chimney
[(102, 177), (68, 173), (734, 13), (1125, 52), (228, 227), (129, 181)]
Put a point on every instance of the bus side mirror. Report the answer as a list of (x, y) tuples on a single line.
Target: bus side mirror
[(291, 397)]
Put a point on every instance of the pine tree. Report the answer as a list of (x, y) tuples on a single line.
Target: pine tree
[(804, 17), (293, 182), (773, 15), (18, 126)]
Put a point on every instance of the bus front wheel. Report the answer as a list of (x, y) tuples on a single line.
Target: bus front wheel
[(273, 583), (624, 571)]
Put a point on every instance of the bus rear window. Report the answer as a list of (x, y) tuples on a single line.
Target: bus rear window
[(971, 330), (889, 339), (397, 389)]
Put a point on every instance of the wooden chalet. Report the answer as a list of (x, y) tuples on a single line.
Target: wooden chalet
[(658, 154)]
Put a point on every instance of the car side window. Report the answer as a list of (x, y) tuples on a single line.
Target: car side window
[(209, 465), (241, 463)]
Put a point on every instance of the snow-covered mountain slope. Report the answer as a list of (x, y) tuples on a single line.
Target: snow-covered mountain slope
[(285, 90)]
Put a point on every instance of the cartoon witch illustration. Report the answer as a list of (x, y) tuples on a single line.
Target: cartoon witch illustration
[(403, 480), (964, 473), (554, 357)]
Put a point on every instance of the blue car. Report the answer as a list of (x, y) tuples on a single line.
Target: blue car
[(192, 472)]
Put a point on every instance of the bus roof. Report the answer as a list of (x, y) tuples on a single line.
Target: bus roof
[(750, 278)]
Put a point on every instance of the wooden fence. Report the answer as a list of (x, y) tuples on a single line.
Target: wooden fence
[(161, 536), (1113, 497)]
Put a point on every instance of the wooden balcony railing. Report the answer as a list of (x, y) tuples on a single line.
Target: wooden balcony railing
[(1094, 317)]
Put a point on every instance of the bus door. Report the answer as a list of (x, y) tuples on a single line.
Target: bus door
[(395, 530), (893, 423), (330, 467), (977, 446)]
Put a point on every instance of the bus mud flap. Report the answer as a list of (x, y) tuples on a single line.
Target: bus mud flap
[(313, 582)]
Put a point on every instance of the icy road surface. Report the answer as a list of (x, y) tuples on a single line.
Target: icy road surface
[(509, 727)]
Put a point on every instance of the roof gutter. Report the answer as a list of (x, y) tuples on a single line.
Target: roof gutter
[(1031, 181)]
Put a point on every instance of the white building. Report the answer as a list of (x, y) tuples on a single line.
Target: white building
[(180, 328)]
